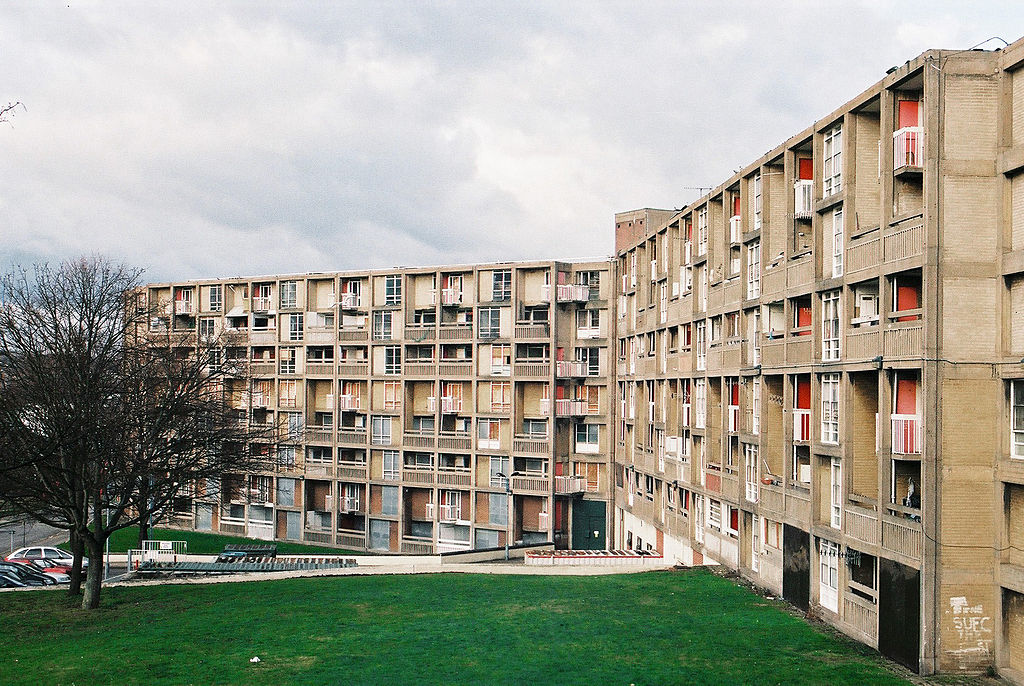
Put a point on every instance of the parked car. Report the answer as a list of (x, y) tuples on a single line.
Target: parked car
[(60, 573), (28, 574), (45, 552), (10, 581)]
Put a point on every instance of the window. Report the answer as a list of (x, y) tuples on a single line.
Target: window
[(288, 294), (837, 242), (700, 402), (380, 428), (501, 396), (773, 534), (389, 500), (587, 438), (702, 231), (499, 465), (216, 298), (489, 325), (588, 323), (501, 359), (392, 395), (830, 408), (295, 322), (382, 326), (206, 328), (392, 289), (419, 461), (714, 520), (832, 161), (287, 393), (865, 304), (702, 349), (1017, 418), (757, 201), (754, 269), (424, 317), (487, 434), (423, 425), (591, 359), (497, 510), (286, 365), (501, 285), (392, 360), (392, 465), (750, 459), (755, 406), (836, 473), (294, 423), (285, 458), (535, 428), (830, 325), (828, 579)]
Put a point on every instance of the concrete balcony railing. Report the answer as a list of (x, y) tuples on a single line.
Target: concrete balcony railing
[(525, 330), (455, 332), (571, 368), (907, 434), (908, 147), (801, 425)]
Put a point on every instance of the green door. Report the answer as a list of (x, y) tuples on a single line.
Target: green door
[(588, 525)]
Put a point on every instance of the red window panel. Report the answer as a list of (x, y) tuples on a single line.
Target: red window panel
[(736, 205), (734, 394), (906, 396), (909, 113), (806, 166), (560, 354), (803, 394), (734, 519), (908, 297), (560, 392)]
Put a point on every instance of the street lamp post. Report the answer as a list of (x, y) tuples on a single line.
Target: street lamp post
[(508, 496)]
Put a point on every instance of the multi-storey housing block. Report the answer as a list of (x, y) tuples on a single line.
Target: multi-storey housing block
[(814, 375), (418, 410), (820, 367)]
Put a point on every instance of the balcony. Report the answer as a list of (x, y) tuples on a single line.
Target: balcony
[(570, 368), (260, 304), (529, 445), (535, 484), (451, 296), (734, 229), (349, 504), (454, 441), (570, 485), (544, 407), (908, 147), (907, 434), (451, 405), (587, 332), (184, 307), (454, 477), (574, 408), (801, 425), (348, 403), (569, 292), (420, 332), (527, 330), (455, 332), (451, 513), (448, 368), (349, 301), (350, 435), (803, 198)]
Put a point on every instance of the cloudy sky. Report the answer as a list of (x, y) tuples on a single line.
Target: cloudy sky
[(201, 139)]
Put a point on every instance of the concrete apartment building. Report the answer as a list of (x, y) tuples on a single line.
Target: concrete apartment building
[(813, 375), (405, 399), (820, 368)]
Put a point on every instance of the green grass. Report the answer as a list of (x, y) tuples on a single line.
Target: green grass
[(200, 543), (652, 628)]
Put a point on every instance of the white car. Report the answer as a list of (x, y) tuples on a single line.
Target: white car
[(46, 553)]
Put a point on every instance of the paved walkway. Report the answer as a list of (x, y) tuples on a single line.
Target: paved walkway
[(425, 568)]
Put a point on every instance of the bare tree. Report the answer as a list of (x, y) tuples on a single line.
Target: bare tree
[(8, 110), (103, 422)]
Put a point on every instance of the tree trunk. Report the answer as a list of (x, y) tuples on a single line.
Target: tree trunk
[(94, 578), (77, 551), (143, 530)]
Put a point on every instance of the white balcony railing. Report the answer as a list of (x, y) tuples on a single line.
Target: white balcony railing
[(260, 304), (570, 484), (349, 504), (451, 513), (451, 296), (584, 332), (544, 406), (907, 434), (184, 307), (734, 418), (654, 270), (734, 229), (450, 405), (908, 147), (801, 425), (573, 292), (349, 300), (348, 402), (804, 198)]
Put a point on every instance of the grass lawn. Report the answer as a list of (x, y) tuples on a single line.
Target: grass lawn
[(200, 543), (652, 628)]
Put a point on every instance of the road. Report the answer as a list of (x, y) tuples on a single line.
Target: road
[(21, 532)]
